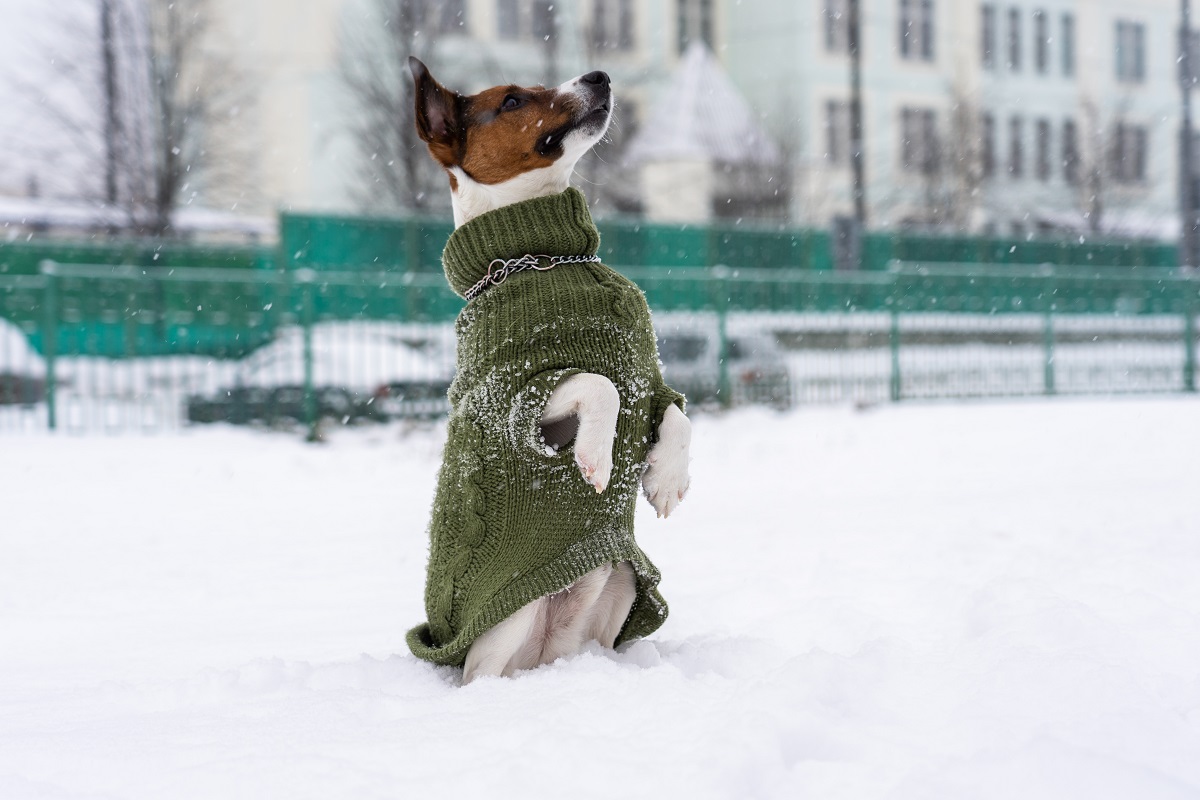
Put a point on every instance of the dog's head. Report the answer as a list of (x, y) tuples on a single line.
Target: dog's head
[(509, 143)]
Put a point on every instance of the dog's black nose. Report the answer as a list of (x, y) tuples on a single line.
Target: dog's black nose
[(596, 78)]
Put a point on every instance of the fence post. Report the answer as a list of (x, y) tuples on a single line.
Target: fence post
[(1190, 288), (894, 335), (1048, 336), (894, 342), (50, 340), (306, 278), (720, 273)]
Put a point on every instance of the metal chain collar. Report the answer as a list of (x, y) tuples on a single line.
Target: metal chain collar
[(500, 269)]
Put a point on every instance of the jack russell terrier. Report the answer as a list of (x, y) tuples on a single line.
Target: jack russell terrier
[(558, 409)]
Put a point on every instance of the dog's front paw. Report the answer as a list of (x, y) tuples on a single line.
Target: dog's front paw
[(594, 402), (666, 479), (594, 459)]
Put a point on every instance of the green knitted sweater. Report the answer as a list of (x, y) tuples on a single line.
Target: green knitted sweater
[(513, 520)]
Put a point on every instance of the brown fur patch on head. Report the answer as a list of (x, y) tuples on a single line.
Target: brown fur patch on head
[(495, 135), (510, 130)]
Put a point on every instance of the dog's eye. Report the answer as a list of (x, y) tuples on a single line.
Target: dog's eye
[(510, 103)]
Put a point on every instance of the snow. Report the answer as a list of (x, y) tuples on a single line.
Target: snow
[(924, 600)]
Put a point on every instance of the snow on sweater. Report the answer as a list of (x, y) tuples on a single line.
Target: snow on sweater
[(512, 519)]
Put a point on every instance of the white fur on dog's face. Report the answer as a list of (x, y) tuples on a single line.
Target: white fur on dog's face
[(510, 143)]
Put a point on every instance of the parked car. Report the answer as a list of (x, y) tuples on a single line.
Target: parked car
[(284, 404), (360, 371), (22, 369), (689, 347)]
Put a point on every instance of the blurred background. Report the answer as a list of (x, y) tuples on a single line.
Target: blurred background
[(219, 211)]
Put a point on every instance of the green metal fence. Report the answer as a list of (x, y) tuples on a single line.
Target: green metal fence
[(86, 347), (23, 257), (334, 243)]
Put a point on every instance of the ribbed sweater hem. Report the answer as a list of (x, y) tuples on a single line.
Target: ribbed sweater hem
[(579, 559)]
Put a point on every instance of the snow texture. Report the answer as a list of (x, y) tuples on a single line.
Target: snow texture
[(920, 601)]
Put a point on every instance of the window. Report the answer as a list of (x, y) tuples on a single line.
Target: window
[(1043, 149), (1131, 51), (837, 25), (1129, 153), (612, 25), (695, 22), (1016, 147), (987, 144), (542, 20), (919, 140), (432, 16), (1067, 48), (837, 132), (1041, 42), (987, 28), (452, 17), (1070, 153), (916, 30), (525, 19), (508, 19), (1014, 39)]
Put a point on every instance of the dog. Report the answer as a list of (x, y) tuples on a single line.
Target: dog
[(559, 410)]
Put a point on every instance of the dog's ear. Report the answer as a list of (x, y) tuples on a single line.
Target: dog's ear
[(437, 108)]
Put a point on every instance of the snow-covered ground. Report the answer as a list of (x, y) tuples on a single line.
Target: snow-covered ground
[(994, 600)]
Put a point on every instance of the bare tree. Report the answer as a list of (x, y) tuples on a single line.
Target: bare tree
[(952, 160), (181, 117), (394, 170), (161, 112), (1107, 162)]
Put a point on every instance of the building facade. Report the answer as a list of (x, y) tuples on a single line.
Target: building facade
[(1022, 115), (291, 54)]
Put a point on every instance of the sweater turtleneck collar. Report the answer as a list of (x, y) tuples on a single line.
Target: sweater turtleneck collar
[(558, 225)]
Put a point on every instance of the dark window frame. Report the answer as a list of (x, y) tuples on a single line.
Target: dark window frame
[(695, 21), (1042, 135), (1067, 47), (612, 25), (1070, 153), (1130, 51), (987, 144), (837, 132), (917, 30), (1016, 146), (919, 140), (1129, 153), (836, 18), (987, 35), (1013, 54), (1041, 42)]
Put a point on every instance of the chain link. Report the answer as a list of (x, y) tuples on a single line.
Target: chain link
[(500, 269)]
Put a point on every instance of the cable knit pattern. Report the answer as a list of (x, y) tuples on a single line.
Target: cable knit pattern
[(512, 519)]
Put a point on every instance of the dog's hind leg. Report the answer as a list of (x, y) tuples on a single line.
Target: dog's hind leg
[(611, 608), (594, 403), (493, 652), (558, 625), (565, 623)]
